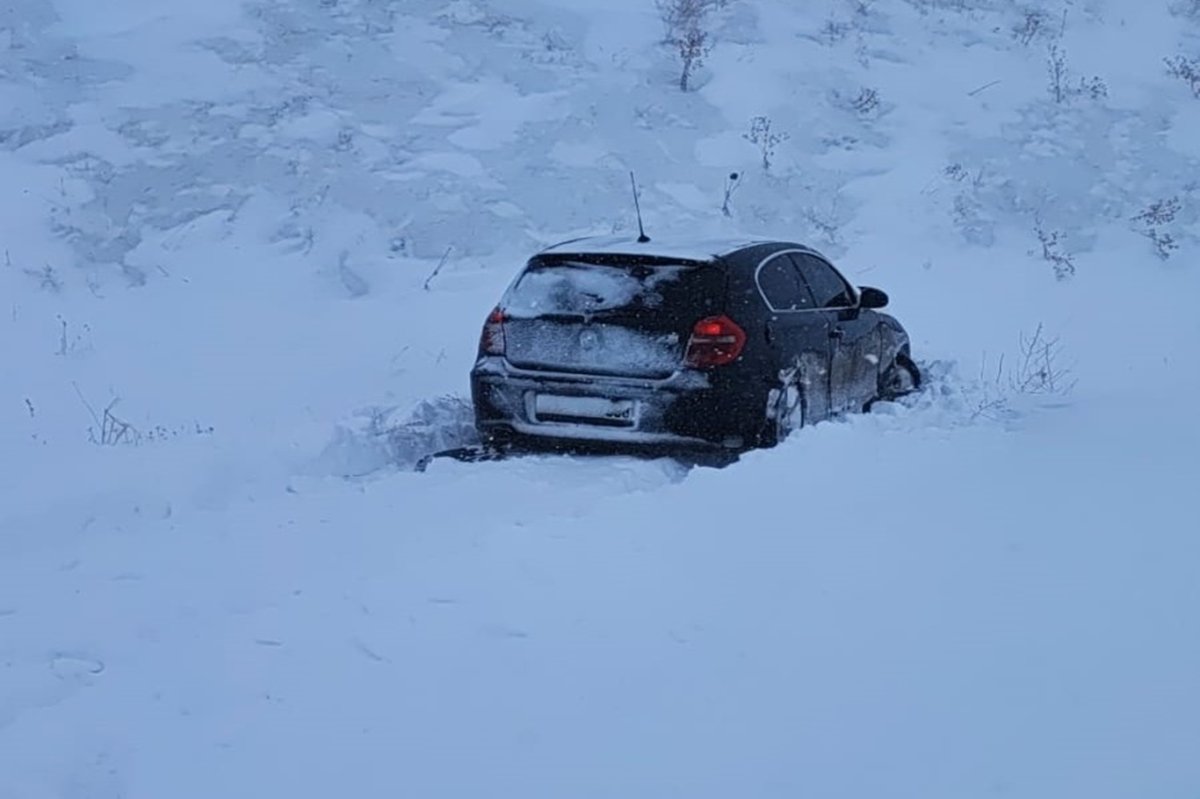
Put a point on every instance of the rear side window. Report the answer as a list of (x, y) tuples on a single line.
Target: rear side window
[(781, 285), (580, 288), (828, 288)]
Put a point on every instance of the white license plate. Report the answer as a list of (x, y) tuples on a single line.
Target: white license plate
[(598, 408)]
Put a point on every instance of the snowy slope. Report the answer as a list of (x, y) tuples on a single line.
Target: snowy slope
[(218, 221)]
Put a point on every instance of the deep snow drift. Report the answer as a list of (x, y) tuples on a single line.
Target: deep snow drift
[(225, 340)]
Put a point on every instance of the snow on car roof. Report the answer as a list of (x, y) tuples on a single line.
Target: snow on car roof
[(686, 249)]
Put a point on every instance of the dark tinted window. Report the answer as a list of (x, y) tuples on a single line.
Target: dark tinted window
[(828, 288), (781, 285)]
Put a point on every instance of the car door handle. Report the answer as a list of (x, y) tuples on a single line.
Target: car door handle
[(836, 332)]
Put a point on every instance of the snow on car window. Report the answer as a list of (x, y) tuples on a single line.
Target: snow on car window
[(597, 347), (580, 288)]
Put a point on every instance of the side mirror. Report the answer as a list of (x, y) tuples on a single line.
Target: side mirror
[(869, 297)]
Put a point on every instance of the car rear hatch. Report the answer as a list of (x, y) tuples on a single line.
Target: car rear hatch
[(607, 315)]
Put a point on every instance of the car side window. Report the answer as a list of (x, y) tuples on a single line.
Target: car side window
[(828, 288), (781, 285)]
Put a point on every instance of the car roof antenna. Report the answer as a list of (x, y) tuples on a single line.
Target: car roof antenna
[(642, 237)]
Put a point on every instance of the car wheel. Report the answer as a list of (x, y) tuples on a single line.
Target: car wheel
[(784, 413), (902, 377)]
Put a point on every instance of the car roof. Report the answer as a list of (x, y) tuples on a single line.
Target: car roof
[(698, 249)]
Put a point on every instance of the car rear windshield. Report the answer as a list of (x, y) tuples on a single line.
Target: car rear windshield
[(588, 288)]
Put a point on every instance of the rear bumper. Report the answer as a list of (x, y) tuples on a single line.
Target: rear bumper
[(677, 411)]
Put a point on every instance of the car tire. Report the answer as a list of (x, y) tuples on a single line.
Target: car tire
[(900, 378), (784, 412)]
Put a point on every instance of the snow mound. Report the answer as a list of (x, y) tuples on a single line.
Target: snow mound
[(947, 399), (378, 438)]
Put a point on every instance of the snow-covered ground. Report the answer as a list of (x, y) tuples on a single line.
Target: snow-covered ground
[(221, 355)]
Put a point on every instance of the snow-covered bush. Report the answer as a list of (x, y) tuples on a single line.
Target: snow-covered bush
[(1062, 87), (765, 138), (46, 277), (1153, 221), (854, 19), (866, 102), (975, 196), (1034, 22), (686, 30), (1187, 70), (1052, 251)]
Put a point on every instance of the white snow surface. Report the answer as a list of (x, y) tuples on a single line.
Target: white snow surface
[(219, 222)]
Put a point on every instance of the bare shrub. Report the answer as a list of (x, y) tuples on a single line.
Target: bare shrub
[(992, 400), (71, 343), (1062, 88), (47, 278), (693, 47), (731, 184), (1153, 219), (834, 31), (1187, 70), (678, 14), (1039, 369), (1094, 88), (762, 136), (1033, 22), (1056, 66), (1061, 261), (109, 430), (825, 221), (866, 102), (971, 203), (959, 174), (686, 30)]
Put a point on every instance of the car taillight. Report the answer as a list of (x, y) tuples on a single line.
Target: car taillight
[(491, 342), (715, 341)]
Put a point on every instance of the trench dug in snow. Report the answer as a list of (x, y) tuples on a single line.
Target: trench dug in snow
[(381, 438)]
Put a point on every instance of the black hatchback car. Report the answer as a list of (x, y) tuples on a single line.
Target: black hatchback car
[(724, 345)]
